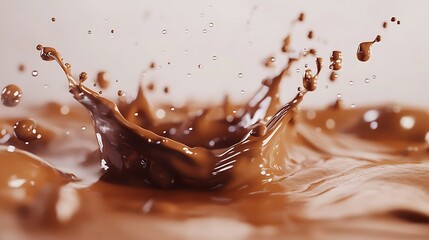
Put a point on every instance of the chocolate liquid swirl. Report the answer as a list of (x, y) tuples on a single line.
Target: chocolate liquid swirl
[(258, 170)]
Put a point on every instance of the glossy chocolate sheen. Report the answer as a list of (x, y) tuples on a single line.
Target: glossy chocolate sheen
[(258, 170)]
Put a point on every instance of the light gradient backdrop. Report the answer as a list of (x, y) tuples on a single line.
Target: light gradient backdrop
[(243, 35)]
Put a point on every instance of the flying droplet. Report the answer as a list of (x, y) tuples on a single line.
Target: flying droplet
[(214, 57), (34, 73), (367, 80), (26, 131), (11, 95), (364, 50), (164, 31), (240, 75), (211, 24), (204, 30)]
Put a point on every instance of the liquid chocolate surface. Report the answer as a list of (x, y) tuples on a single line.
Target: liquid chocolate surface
[(258, 170)]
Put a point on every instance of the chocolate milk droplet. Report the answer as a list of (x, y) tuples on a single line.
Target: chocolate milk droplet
[(333, 76), (336, 60), (269, 62), (310, 35), (120, 93), (364, 49), (166, 89), (21, 67), (301, 17), (11, 95), (309, 81), (26, 130), (385, 25), (82, 77), (393, 19), (53, 19), (102, 80)]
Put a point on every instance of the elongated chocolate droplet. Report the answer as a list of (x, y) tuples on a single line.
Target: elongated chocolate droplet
[(309, 81), (364, 49), (336, 60)]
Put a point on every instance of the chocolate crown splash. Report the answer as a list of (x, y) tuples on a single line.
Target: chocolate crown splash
[(205, 151)]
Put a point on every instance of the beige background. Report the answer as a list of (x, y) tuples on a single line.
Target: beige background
[(244, 33)]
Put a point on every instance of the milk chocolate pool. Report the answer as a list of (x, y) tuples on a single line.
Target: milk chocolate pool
[(258, 170)]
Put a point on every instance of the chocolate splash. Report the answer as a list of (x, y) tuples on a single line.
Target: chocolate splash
[(136, 153), (333, 173)]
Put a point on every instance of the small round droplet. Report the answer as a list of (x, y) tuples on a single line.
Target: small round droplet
[(164, 31), (189, 75), (112, 31), (242, 91), (21, 67), (34, 73), (83, 76), (240, 75), (306, 65), (297, 70), (352, 105), (339, 95), (204, 30), (53, 19), (374, 76), (351, 83), (200, 66), (11, 95), (367, 80), (211, 24), (214, 57), (89, 31), (45, 86), (120, 93), (272, 59), (26, 131), (250, 43), (186, 30), (83, 128), (186, 51)]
